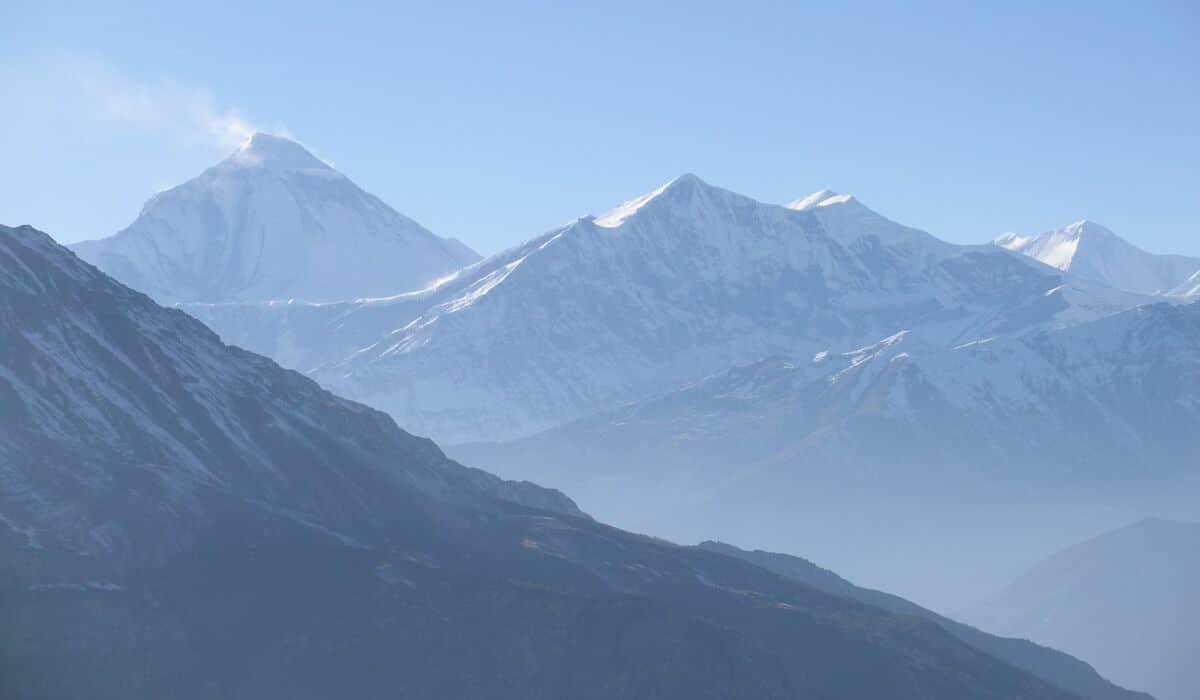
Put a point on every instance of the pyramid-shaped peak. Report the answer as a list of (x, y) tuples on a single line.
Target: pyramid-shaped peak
[(276, 152), (272, 222), (1071, 233), (1094, 252)]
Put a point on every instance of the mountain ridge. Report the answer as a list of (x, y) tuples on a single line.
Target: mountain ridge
[(674, 285)]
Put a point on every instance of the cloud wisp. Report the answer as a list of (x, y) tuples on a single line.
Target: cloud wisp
[(109, 137), (177, 111), (89, 96)]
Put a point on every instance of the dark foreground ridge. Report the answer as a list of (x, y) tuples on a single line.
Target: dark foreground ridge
[(184, 519)]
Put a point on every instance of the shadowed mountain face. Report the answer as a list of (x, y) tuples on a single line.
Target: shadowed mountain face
[(272, 222), (1140, 580), (125, 421), (186, 519)]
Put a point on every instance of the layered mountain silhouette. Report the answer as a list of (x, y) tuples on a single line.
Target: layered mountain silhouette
[(814, 377), (186, 519), (906, 450), (694, 356)]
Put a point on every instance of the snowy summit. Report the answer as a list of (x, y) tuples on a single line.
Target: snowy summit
[(272, 221), (276, 153), (1092, 252)]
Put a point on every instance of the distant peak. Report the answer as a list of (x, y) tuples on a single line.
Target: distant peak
[(820, 198), (277, 153), (1081, 230), (1072, 232)]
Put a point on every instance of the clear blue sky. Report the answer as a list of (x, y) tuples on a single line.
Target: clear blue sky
[(494, 122)]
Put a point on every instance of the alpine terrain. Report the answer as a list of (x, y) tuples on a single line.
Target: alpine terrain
[(662, 291), (185, 519)]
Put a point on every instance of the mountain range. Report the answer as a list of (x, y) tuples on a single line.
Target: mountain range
[(272, 221), (186, 519), (694, 353), (920, 415), (662, 291)]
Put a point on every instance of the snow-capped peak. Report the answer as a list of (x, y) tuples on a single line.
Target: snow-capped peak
[(272, 222), (619, 214), (1091, 251), (263, 150), (821, 198), (1056, 248)]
